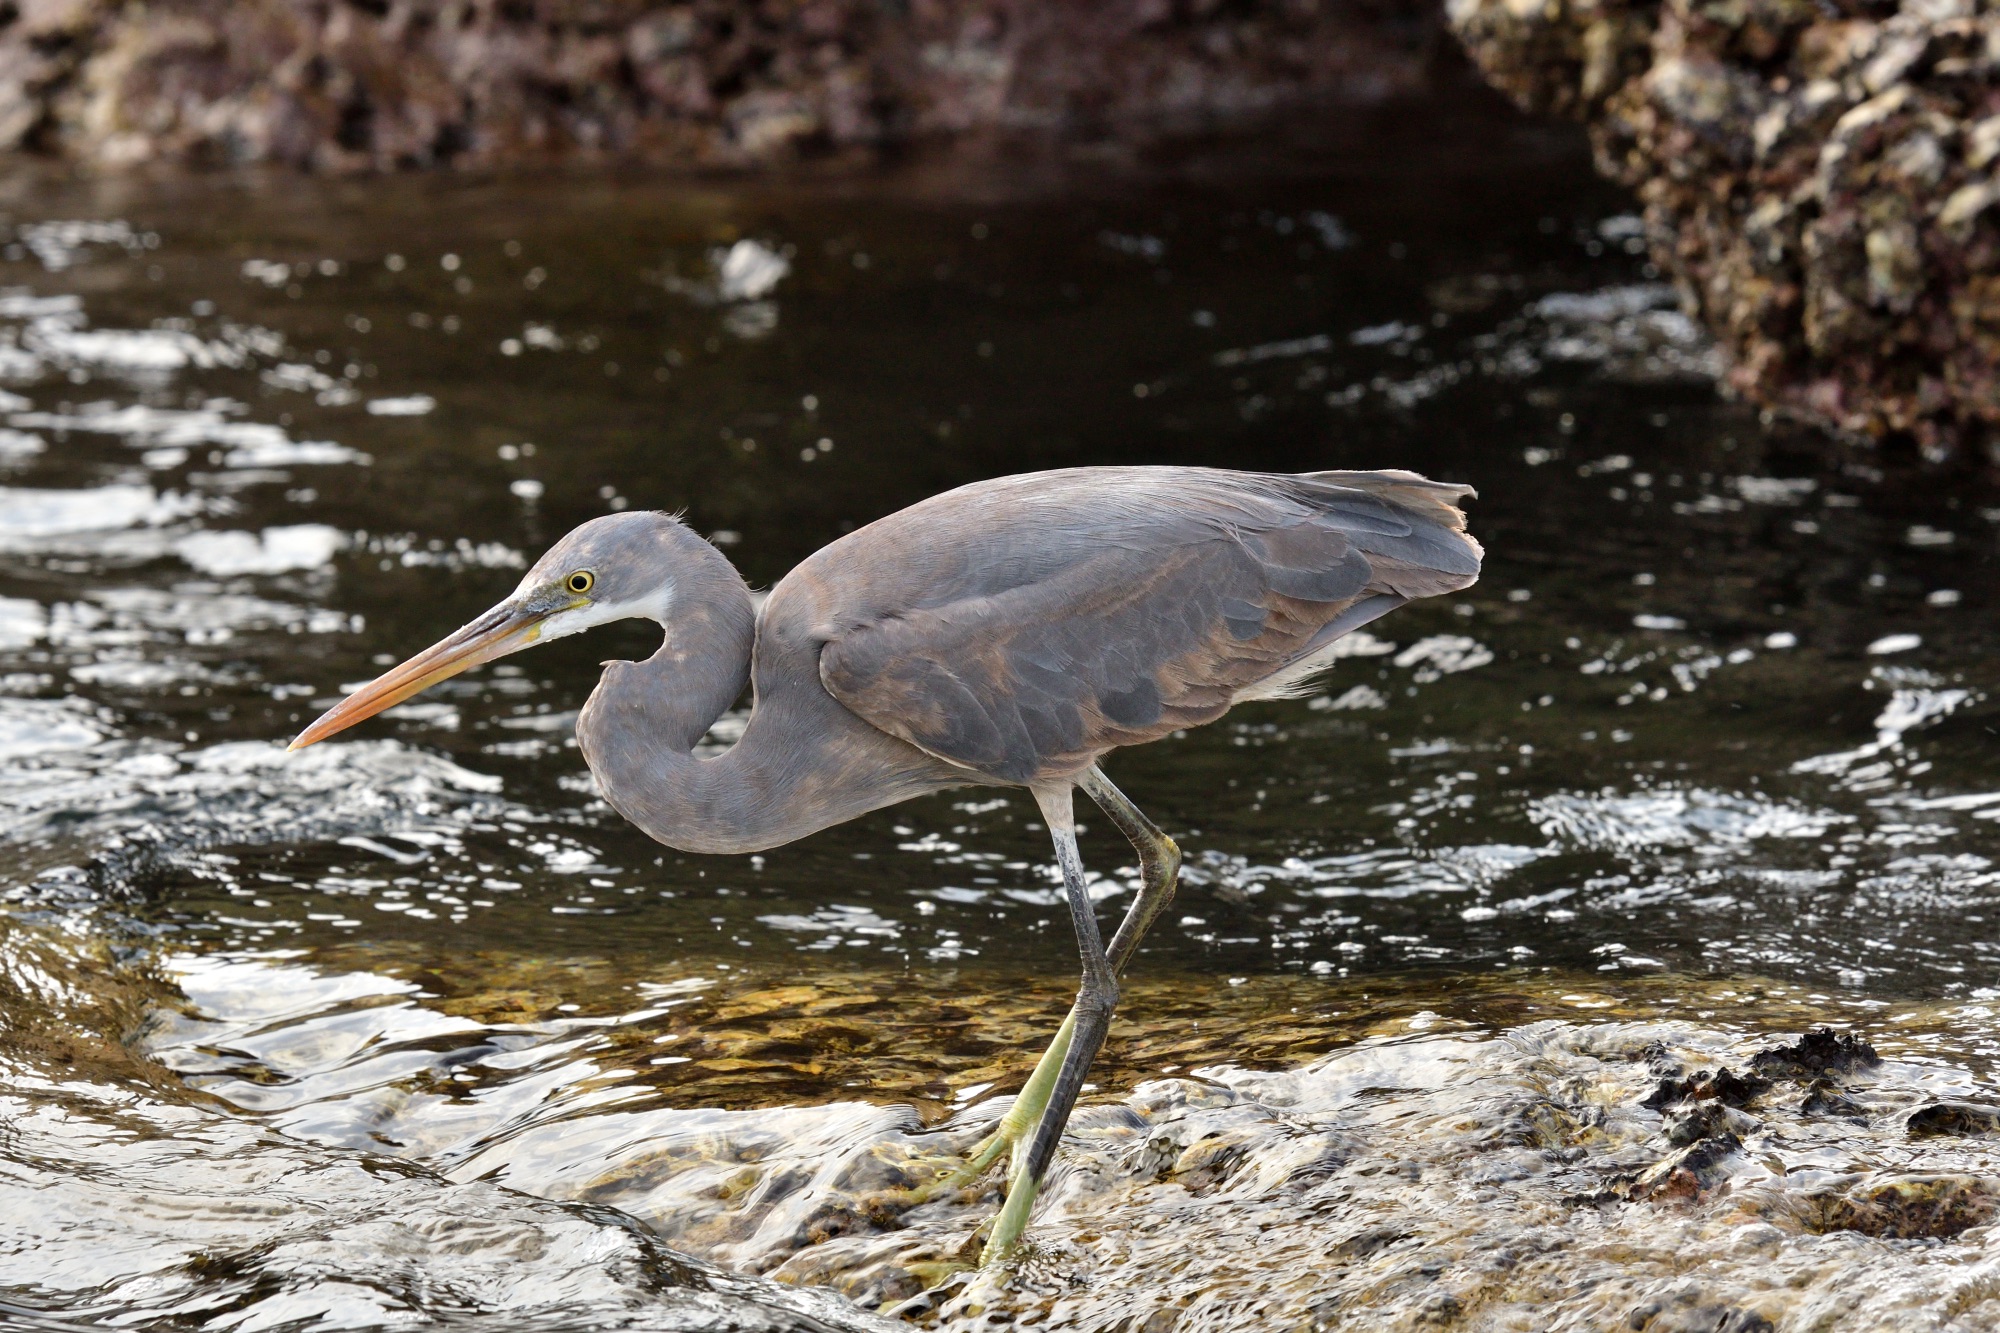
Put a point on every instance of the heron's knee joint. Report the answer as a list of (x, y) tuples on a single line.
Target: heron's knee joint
[(1099, 995)]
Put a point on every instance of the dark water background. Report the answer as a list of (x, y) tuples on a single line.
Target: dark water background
[(1718, 710)]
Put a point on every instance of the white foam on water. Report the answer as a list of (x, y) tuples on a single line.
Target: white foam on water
[(132, 673), (22, 622), (272, 551), (30, 727), (1708, 822), (63, 243), (1355, 698), (271, 453), (20, 303), (18, 446), (1442, 655), (27, 514), (415, 405), (749, 271), (143, 350), (250, 443)]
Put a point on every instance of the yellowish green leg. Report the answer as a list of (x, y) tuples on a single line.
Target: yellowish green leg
[(1011, 1134), (1022, 1133)]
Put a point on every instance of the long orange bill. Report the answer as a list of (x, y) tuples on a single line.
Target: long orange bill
[(507, 628)]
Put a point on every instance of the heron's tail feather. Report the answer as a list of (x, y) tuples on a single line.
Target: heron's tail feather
[(1413, 493)]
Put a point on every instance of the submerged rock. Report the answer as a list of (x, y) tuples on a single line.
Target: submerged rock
[(1818, 180), (1707, 1120), (124, 1194), (1823, 1097), (1394, 1153), (1413, 1179), (1688, 1311), (1482, 1167), (703, 82), (1687, 1174), (1952, 1118), (1820, 1051), (1916, 1207)]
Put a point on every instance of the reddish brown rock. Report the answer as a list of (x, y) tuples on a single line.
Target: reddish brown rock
[(382, 84), (1818, 177)]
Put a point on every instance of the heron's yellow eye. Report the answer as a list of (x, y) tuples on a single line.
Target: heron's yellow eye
[(581, 581)]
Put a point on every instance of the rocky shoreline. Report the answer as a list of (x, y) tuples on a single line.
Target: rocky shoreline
[(1818, 179), (359, 85)]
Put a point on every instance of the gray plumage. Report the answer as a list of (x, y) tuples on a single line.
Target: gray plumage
[(1011, 632)]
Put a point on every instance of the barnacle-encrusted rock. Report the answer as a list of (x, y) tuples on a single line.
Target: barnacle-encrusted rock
[(1724, 1085), (1819, 178), (1819, 1051), (378, 84)]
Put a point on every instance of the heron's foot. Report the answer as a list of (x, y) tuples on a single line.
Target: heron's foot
[(942, 1281), (1000, 1143), (960, 1173), (952, 1178), (1010, 1137), (928, 1176), (1005, 1237)]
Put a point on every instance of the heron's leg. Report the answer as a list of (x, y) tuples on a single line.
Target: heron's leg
[(1159, 865), (1159, 872), (1091, 1016)]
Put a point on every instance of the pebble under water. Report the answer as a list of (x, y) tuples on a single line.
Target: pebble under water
[(1610, 946)]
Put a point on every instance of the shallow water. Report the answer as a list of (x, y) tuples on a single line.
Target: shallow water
[(1700, 762)]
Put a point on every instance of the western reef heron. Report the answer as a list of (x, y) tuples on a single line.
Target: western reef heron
[(1011, 632)]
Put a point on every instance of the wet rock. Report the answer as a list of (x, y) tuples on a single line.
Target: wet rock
[(1553, 1127), (1365, 1243), (1820, 1051), (1661, 1061), (1816, 180), (121, 1186), (1443, 1308), (1825, 1097), (1489, 1166), (1954, 1119), (1209, 1162), (1689, 1310), (1923, 1207), (1707, 1120), (706, 82), (1724, 1085), (68, 1010), (1688, 1174)]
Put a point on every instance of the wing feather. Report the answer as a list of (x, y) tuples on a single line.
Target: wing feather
[(1082, 611)]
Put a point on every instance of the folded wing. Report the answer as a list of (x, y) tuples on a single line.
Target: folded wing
[(1104, 608)]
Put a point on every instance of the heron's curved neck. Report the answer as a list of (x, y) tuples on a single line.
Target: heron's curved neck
[(639, 728), (802, 764)]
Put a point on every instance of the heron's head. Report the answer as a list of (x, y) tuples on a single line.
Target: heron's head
[(618, 567)]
